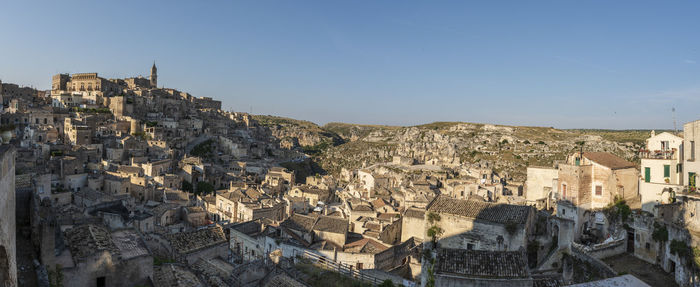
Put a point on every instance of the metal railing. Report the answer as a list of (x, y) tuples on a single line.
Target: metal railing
[(658, 154), (342, 268)]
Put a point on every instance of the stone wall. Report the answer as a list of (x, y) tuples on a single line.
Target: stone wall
[(412, 227), (210, 252), (391, 233), (605, 250), (132, 272), (357, 260), (540, 180), (466, 233), (8, 260), (603, 269)]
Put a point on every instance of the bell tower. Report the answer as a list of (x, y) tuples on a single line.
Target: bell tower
[(154, 76)]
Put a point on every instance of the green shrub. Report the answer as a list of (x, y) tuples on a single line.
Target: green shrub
[(660, 233)]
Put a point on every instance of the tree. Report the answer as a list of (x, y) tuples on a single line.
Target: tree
[(435, 232), (187, 186), (433, 217), (204, 188)]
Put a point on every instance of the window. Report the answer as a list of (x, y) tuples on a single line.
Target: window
[(598, 190), (470, 246), (667, 170), (647, 246), (647, 174), (664, 145), (692, 150), (691, 179), (563, 190)]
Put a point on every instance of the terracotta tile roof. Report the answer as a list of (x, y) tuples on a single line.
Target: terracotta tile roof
[(365, 245), (415, 213), (234, 195), (379, 203), (388, 216), (362, 208), (493, 212), (609, 160), (483, 264)]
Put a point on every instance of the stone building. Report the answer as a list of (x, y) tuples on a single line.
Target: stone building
[(77, 132), (83, 82), (309, 229), (413, 224), (154, 76), (8, 259), (460, 267), (594, 179), (156, 168), (227, 205), (188, 247), (309, 193), (589, 180), (541, 182), (247, 240), (477, 225), (98, 257)]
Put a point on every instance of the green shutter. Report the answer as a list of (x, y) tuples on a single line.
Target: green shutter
[(667, 170), (647, 174), (691, 179)]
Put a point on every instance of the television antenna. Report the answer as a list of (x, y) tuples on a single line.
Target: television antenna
[(673, 112)]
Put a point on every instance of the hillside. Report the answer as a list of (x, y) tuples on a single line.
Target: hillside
[(509, 150)]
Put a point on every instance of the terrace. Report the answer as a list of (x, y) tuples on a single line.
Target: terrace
[(658, 154)]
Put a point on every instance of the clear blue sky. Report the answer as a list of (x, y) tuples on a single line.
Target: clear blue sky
[(567, 64)]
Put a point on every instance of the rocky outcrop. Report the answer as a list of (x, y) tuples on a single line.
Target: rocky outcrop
[(508, 150)]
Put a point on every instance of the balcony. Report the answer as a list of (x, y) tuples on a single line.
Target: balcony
[(658, 154), (568, 197)]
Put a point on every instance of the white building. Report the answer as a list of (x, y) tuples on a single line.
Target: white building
[(661, 169)]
